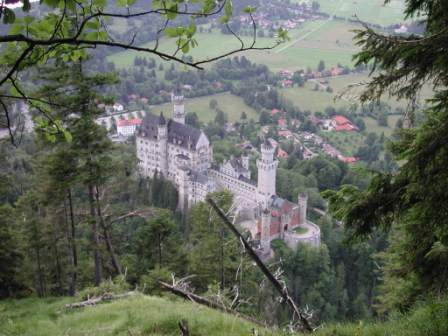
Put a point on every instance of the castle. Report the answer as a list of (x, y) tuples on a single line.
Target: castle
[(183, 154)]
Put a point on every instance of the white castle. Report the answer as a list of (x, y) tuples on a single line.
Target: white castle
[(183, 154)]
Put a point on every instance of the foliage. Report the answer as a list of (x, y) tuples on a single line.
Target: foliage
[(412, 200)]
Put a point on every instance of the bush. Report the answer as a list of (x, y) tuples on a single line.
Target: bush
[(108, 287)]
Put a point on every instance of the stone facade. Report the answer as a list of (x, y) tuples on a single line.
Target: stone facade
[(183, 154)]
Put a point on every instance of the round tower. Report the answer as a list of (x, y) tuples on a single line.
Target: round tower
[(162, 138), (267, 169), (178, 108), (265, 233), (303, 204)]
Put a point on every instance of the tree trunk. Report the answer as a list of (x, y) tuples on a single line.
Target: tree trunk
[(96, 238), (221, 256), (72, 245), (110, 248), (159, 249)]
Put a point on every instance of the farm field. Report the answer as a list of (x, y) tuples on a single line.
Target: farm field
[(371, 11), (307, 98), (230, 104), (328, 40)]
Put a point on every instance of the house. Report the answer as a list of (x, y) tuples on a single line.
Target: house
[(274, 111), (127, 127), (342, 124), (287, 83), (282, 123), (282, 154)]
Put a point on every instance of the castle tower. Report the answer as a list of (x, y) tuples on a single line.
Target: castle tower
[(265, 233), (162, 137), (178, 108), (303, 204), (267, 169)]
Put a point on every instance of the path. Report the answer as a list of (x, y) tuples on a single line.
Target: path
[(330, 18)]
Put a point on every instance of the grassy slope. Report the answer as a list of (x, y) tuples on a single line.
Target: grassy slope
[(230, 104), (141, 315), (372, 11), (309, 43), (149, 315)]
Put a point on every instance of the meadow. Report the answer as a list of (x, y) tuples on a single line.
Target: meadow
[(327, 40), (140, 315), (372, 11), (232, 105)]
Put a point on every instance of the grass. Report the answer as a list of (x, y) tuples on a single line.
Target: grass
[(371, 11), (347, 142), (300, 230), (140, 315), (150, 315), (311, 38), (372, 125), (230, 104)]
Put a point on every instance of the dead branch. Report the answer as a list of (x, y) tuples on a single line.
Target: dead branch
[(206, 302), (96, 300), (183, 326), (281, 288)]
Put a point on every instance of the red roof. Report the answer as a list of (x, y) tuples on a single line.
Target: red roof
[(343, 124), (340, 120), (130, 122), (349, 159), (275, 111), (282, 122), (282, 154)]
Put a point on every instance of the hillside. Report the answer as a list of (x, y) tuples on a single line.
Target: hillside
[(151, 315), (139, 315)]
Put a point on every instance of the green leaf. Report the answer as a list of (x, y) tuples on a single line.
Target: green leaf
[(185, 48), (172, 12), (249, 9), (171, 32), (8, 16)]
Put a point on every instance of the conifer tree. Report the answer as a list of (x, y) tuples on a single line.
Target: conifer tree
[(413, 201)]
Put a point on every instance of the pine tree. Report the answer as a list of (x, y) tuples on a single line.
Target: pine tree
[(413, 201)]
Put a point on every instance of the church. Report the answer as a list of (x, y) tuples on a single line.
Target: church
[(184, 155)]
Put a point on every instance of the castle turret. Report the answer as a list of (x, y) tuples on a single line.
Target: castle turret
[(178, 108), (265, 234), (162, 137), (267, 168), (303, 204), (245, 161)]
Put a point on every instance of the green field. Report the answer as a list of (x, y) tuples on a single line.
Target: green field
[(347, 142), (313, 41), (308, 99), (230, 104), (371, 11)]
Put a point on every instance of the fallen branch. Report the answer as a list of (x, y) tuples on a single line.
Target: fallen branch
[(282, 289), (94, 301), (206, 302), (183, 326)]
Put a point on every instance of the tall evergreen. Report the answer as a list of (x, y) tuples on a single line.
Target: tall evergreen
[(412, 203)]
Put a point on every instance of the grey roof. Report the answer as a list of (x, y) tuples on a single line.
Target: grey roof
[(246, 180), (178, 133), (237, 165), (267, 143), (162, 120)]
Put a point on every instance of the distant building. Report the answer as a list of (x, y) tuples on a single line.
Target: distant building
[(183, 155), (127, 127), (343, 124)]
